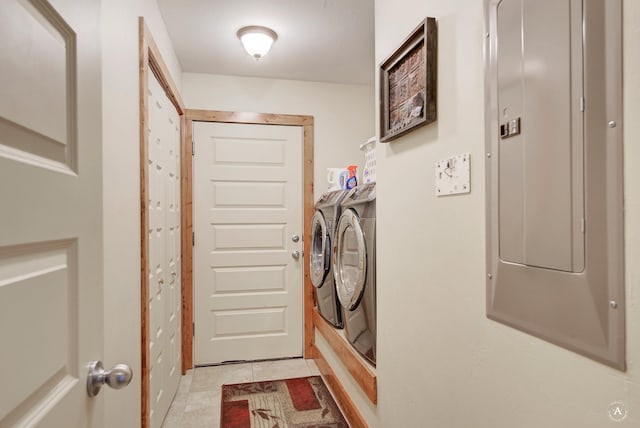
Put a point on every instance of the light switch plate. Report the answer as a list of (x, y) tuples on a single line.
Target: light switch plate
[(452, 175)]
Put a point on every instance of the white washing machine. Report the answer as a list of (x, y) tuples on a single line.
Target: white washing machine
[(355, 268), (323, 228)]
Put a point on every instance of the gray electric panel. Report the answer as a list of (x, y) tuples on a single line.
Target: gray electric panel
[(554, 172), (539, 63)]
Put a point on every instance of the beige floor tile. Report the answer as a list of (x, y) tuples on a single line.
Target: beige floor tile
[(173, 420), (201, 418), (174, 416), (210, 378), (202, 400), (282, 369), (185, 383), (313, 368)]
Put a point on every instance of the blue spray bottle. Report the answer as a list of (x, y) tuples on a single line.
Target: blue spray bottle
[(352, 181)]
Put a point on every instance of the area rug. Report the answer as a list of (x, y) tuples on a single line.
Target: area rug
[(290, 403)]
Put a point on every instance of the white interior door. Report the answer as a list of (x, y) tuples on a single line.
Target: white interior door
[(51, 312), (163, 190), (247, 204)]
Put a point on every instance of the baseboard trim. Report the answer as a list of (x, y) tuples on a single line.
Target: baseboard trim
[(347, 406)]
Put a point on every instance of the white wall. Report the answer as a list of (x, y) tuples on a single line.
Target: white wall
[(121, 176), (343, 114), (441, 362)]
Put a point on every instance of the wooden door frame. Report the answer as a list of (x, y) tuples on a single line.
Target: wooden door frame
[(186, 192), (149, 58)]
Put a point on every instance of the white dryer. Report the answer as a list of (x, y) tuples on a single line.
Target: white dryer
[(323, 227), (355, 268)]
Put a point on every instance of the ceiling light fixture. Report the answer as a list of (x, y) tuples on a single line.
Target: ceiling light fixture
[(257, 40)]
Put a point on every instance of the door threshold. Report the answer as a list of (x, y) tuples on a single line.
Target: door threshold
[(232, 362)]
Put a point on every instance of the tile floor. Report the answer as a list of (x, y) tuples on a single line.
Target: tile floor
[(197, 403)]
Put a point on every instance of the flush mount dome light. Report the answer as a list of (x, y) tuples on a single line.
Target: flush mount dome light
[(257, 40)]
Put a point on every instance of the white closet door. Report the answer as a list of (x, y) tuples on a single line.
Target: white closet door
[(163, 189)]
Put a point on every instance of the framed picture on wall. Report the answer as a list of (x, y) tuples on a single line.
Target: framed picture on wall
[(408, 83)]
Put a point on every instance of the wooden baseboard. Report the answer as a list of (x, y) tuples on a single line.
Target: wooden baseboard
[(347, 406), (360, 370)]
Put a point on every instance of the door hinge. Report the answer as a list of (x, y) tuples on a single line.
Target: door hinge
[(193, 329), (583, 226), (582, 103), (193, 239), (193, 148)]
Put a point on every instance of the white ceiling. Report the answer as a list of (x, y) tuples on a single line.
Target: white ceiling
[(318, 40)]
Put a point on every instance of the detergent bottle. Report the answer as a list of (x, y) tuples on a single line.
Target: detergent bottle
[(352, 181)]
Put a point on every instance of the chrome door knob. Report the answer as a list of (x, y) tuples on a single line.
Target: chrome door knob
[(117, 378), (295, 238), (295, 254)]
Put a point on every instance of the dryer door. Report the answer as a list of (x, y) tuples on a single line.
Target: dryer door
[(350, 261), (320, 250)]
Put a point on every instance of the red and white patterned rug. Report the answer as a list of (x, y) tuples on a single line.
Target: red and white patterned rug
[(290, 403)]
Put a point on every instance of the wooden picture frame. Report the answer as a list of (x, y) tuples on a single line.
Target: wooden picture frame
[(408, 82)]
